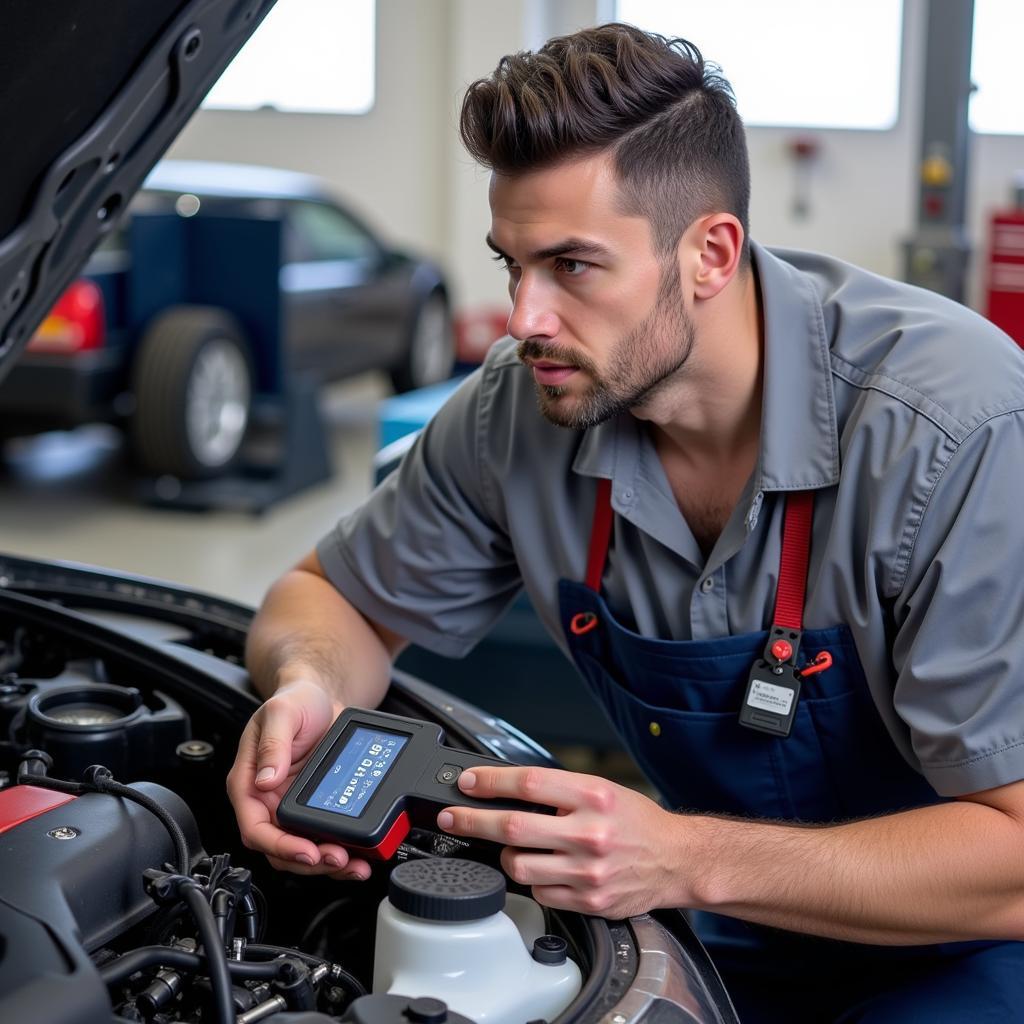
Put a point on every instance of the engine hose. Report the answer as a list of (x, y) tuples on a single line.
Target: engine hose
[(102, 781), (248, 917), (140, 959), (264, 952), (216, 956), (223, 906)]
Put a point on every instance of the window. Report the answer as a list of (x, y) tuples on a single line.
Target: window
[(323, 232), (800, 63), (996, 67), (308, 55)]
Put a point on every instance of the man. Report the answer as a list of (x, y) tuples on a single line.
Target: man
[(732, 440)]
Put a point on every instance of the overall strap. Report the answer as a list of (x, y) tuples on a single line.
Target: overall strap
[(600, 535), (796, 548)]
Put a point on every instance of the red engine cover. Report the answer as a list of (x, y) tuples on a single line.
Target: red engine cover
[(22, 803)]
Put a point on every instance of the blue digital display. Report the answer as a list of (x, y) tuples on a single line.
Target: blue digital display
[(357, 771)]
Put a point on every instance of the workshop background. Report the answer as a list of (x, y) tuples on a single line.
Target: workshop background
[(886, 194)]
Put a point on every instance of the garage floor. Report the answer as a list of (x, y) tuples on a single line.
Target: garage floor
[(69, 497)]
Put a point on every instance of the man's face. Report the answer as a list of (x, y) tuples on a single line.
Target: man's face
[(600, 318)]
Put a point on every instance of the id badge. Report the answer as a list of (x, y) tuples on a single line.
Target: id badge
[(773, 687), (770, 703)]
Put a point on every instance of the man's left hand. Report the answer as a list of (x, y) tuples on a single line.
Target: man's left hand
[(608, 851)]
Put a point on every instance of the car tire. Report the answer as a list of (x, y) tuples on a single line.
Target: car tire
[(192, 381), (430, 354)]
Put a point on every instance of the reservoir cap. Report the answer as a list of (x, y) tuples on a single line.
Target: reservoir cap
[(447, 889)]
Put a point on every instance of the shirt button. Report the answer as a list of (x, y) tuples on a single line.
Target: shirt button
[(708, 585), (627, 494), (655, 729)]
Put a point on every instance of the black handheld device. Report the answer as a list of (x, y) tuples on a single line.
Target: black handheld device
[(375, 776)]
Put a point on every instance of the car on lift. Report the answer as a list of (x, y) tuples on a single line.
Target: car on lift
[(125, 892), (220, 283)]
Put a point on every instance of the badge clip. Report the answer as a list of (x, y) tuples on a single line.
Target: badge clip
[(773, 687)]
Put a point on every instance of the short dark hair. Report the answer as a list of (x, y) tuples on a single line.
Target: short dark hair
[(668, 117)]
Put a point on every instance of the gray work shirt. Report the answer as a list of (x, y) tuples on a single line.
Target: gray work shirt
[(900, 409)]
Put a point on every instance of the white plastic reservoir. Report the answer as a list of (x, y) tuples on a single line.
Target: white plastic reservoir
[(448, 930)]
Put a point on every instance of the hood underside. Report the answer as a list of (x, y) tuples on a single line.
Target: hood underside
[(92, 96)]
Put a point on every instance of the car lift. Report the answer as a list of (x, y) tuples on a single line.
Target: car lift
[(294, 456)]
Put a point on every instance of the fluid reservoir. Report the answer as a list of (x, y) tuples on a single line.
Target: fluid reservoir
[(448, 930)]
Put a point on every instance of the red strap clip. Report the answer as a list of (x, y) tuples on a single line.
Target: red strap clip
[(583, 622), (820, 663)]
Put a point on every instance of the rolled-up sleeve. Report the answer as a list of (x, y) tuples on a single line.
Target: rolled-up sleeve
[(959, 645), (428, 555)]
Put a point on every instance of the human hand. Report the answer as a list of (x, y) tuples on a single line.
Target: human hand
[(272, 751), (607, 851)]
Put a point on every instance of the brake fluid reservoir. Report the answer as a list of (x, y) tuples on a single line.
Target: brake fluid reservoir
[(445, 931)]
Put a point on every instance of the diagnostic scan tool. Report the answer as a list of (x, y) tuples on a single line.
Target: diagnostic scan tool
[(374, 777)]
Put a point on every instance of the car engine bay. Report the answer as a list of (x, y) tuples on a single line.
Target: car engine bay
[(126, 894)]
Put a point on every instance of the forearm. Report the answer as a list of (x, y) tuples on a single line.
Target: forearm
[(306, 630), (948, 872)]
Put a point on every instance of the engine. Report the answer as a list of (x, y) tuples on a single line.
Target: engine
[(114, 911)]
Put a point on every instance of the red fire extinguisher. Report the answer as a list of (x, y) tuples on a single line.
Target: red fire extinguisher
[(1005, 273)]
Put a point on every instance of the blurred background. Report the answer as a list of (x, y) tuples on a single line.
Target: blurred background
[(887, 133)]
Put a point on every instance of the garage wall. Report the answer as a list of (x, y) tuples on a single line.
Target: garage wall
[(389, 163), (403, 165)]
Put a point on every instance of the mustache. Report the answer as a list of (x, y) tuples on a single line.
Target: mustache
[(536, 351)]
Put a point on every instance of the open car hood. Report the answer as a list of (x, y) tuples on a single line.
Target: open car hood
[(92, 96)]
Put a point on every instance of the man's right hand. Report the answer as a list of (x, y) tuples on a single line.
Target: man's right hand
[(272, 751)]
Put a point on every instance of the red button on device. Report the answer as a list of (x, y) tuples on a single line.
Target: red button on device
[(782, 650)]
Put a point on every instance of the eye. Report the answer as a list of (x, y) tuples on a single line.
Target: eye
[(573, 268)]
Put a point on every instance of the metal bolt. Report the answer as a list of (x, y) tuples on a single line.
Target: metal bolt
[(64, 832), (195, 750)]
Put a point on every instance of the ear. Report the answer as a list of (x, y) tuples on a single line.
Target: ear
[(717, 243)]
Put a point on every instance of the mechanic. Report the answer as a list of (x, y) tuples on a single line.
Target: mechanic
[(702, 396)]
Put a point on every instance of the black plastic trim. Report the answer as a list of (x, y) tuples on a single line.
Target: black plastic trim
[(92, 180)]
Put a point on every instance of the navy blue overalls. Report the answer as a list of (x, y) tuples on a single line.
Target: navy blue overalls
[(676, 706)]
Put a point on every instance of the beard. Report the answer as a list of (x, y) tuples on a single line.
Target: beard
[(643, 362)]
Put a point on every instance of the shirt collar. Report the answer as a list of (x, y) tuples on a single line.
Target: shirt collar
[(799, 432)]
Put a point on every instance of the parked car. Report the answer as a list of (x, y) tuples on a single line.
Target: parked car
[(219, 283), (137, 902)]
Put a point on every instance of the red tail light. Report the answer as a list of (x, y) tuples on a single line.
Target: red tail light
[(75, 324)]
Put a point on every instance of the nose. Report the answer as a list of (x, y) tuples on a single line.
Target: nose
[(532, 315)]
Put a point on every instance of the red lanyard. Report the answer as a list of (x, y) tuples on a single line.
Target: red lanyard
[(796, 549)]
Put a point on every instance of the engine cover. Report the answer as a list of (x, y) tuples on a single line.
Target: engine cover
[(80, 867)]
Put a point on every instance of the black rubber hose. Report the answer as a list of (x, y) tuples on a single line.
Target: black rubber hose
[(260, 951), (223, 906), (264, 952), (108, 785), (249, 917), (140, 959), (216, 957)]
